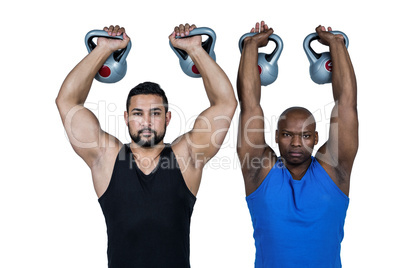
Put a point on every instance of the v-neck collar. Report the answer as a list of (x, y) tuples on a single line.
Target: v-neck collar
[(138, 168)]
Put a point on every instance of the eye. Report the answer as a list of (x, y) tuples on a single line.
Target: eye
[(286, 134), (156, 113), (306, 136), (137, 113)]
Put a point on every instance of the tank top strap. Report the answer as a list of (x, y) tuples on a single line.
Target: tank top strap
[(166, 150)]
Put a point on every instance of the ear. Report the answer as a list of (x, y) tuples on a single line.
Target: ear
[(126, 117), (276, 136), (168, 116), (316, 138)]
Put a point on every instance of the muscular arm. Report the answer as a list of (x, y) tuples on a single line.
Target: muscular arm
[(252, 150), (88, 140), (211, 126), (338, 154), (81, 125)]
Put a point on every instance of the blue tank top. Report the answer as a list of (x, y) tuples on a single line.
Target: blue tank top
[(298, 223)]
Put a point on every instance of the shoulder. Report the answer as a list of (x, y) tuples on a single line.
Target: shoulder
[(103, 168), (256, 170), (184, 152), (108, 157), (338, 174)]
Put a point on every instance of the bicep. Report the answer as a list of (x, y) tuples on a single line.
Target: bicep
[(84, 132), (209, 131), (251, 134), (341, 148)]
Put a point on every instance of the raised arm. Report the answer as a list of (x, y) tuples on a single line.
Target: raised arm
[(211, 126), (256, 157), (338, 154), (82, 127)]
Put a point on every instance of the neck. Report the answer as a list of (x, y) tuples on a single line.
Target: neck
[(146, 152), (146, 158), (298, 170)]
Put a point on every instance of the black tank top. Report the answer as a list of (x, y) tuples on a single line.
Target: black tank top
[(147, 216)]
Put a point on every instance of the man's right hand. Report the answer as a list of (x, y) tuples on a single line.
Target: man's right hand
[(188, 44), (326, 38), (113, 44), (261, 38)]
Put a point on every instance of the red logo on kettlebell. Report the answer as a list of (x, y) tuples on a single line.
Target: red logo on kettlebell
[(328, 65), (104, 71), (259, 69), (195, 70)]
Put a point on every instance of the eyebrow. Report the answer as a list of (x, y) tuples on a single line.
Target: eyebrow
[(303, 132), (140, 110)]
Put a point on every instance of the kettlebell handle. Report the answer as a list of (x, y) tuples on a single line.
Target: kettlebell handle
[(208, 44), (119, 55), (273, 37), (311, 54), (201, 31)]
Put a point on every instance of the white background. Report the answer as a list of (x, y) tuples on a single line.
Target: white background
[(50, 216)]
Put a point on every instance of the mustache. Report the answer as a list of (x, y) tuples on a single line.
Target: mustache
[(148, 130)]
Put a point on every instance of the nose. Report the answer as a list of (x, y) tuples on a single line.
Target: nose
[(296, 141), (147, 120)]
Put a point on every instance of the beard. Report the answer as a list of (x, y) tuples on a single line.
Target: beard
[(156, 138)]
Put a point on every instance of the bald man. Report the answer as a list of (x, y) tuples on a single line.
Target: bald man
[(297, 201)]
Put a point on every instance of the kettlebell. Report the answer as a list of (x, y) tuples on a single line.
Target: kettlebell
[(186, 63), (115, 67), (320, 63), (267, 63)]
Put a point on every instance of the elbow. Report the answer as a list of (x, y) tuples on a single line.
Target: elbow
[(348, 103), (232, 106), (233, 103), (61, 101), (226, 104), (227, 108), (58, 102), (60, 98)]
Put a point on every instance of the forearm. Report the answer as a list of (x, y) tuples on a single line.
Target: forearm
[(343, 76), (77, 84), (217, 85), (341, 147), (248, 78)]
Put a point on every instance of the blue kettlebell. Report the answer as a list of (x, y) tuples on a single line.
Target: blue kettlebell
[(320, 63), (267, 63), (186, 63), (115, 67)]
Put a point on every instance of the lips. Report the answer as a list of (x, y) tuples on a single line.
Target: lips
[(147, 132), (295, 153)]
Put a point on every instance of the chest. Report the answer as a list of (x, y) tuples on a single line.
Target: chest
[(310, 201), (132, 192)]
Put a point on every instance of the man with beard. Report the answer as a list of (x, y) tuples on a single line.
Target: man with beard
[(297, 202), (147, 189)]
